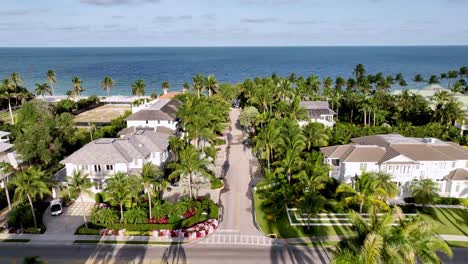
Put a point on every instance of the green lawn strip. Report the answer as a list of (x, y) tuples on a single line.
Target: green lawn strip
[(124, 242), (447, 221), (283, 229), (459, 244), (15, 240)]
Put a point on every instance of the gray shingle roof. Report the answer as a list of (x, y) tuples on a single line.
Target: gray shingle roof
[(136, 145), (163, 109), (317, 108)]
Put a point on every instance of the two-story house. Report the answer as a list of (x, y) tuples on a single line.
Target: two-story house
[(162, 112), (406, 159), (319, 112), (104, 157)]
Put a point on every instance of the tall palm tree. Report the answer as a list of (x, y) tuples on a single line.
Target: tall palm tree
[(266, 141), (42, 89), (176, 144), (418, 78), (77, 86), (359, 73), (211, 84), (433, 79), (199, 83), (5, 170), (451, 75), (165, 86), (185, 87), (78, 185), (7, 91), (138, 88), (120, 188), (384, 187), (316, 135), (29, 185), (190, 163), (107, 84), (52, 80), (424, 191), (150, 176)]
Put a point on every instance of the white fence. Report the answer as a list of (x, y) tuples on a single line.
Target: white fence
[(298, 218)]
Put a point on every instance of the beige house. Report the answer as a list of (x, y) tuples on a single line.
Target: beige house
[(319, 112)]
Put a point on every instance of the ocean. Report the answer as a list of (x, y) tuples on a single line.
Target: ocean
[(228, 64)]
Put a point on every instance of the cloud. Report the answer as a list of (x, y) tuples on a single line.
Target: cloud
[(18, 12), (116, 2), (170, 19), (259, 20)]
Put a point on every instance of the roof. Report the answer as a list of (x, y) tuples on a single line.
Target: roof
[(5, 146), (394, 145), (458, 175), (160, 129), (162, 109), (170, 95), (317, 108), (4, 133), (135, 145)]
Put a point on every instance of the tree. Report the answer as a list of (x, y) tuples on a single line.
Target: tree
[(424, 191), (190, 163), (384, 187), (6, 169), (120, 188), (316, 135), (176, 145), (52, 79), (359, 73), (165, 86), (42, 89), (78, 185), (451, 75), (433, 79), (77, 86), (418, 78), (138, 88), (29, 185), (186, 86), (248, 118), (199, 83), (107, 84), (151, 177), (32, 260), (211, 84), (266, 141), (7, 91)]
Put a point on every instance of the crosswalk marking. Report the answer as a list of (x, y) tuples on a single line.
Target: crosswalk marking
[(237, 240)]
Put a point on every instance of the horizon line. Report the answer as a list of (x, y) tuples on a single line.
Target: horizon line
[(240, 46)]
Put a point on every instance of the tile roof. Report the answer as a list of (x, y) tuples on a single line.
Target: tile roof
[(317, 108), (162, 109), (458, 175)]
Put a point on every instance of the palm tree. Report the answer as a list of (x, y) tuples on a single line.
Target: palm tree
[(186, 87), (316, 135), (266, 141), (42, 89), (211, 84), (29, 185), (424, 191), (384, 187), (138, 88), (176, 145), (150, 177), (78, 185), (418, 78), (451, 75), (199, 83), (77, 86), (292, 146), (7, 91), (120, 188), (165, 86), (6, 169), (359, 73), (52, 79), (107, 84), (190, 163), (433, 79)]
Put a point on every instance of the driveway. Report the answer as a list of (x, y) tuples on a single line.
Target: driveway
[(69, 221), (236, 198)]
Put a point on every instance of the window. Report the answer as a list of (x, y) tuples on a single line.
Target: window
[(146, 121), (457, 189), (159, 122), (442, 165), (335, 162), (97, 167), (363, 166), (109, 167), (97, 184), (453, 164)]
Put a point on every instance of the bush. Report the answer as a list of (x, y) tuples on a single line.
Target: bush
[(105, 216), (21, 216), (87, 231), (464, 202), (216, 183), (98, 198), (135, 216), (65, 106), (33, 230)]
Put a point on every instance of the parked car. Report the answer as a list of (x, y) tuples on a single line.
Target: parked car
[(56, 207)]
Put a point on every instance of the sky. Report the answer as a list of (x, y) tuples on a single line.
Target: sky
[(122, 23)]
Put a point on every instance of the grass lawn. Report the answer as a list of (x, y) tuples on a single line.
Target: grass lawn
[(283, 229), (447, 221)]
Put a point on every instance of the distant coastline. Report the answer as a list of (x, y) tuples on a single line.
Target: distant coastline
[(229, 64)]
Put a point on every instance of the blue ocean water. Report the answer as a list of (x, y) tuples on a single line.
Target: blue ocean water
[(229, 64)]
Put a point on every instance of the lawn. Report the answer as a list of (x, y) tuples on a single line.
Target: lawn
[(283, 229), (102, 114), (447, 221)]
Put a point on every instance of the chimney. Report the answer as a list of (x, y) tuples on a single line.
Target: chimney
[(165, 90)]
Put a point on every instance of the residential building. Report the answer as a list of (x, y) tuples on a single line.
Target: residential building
[(162, 112), (8, 155), (406, 159), (319, 112), (104, 157)]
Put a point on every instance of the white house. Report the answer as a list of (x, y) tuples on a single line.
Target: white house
[(8, 155), (406, 159), (102, 158), (319, 112), (162, 112)]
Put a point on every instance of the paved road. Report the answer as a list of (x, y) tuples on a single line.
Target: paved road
[(164, 254), (236, 199)]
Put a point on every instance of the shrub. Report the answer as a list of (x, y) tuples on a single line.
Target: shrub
[(135, 215), (65, 106), (216, 183), (33, 230), (87, 231), (98, 198), (105, 216), (154, 95), (21, 216)]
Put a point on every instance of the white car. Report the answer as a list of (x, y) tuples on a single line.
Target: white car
[(56, 207)]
